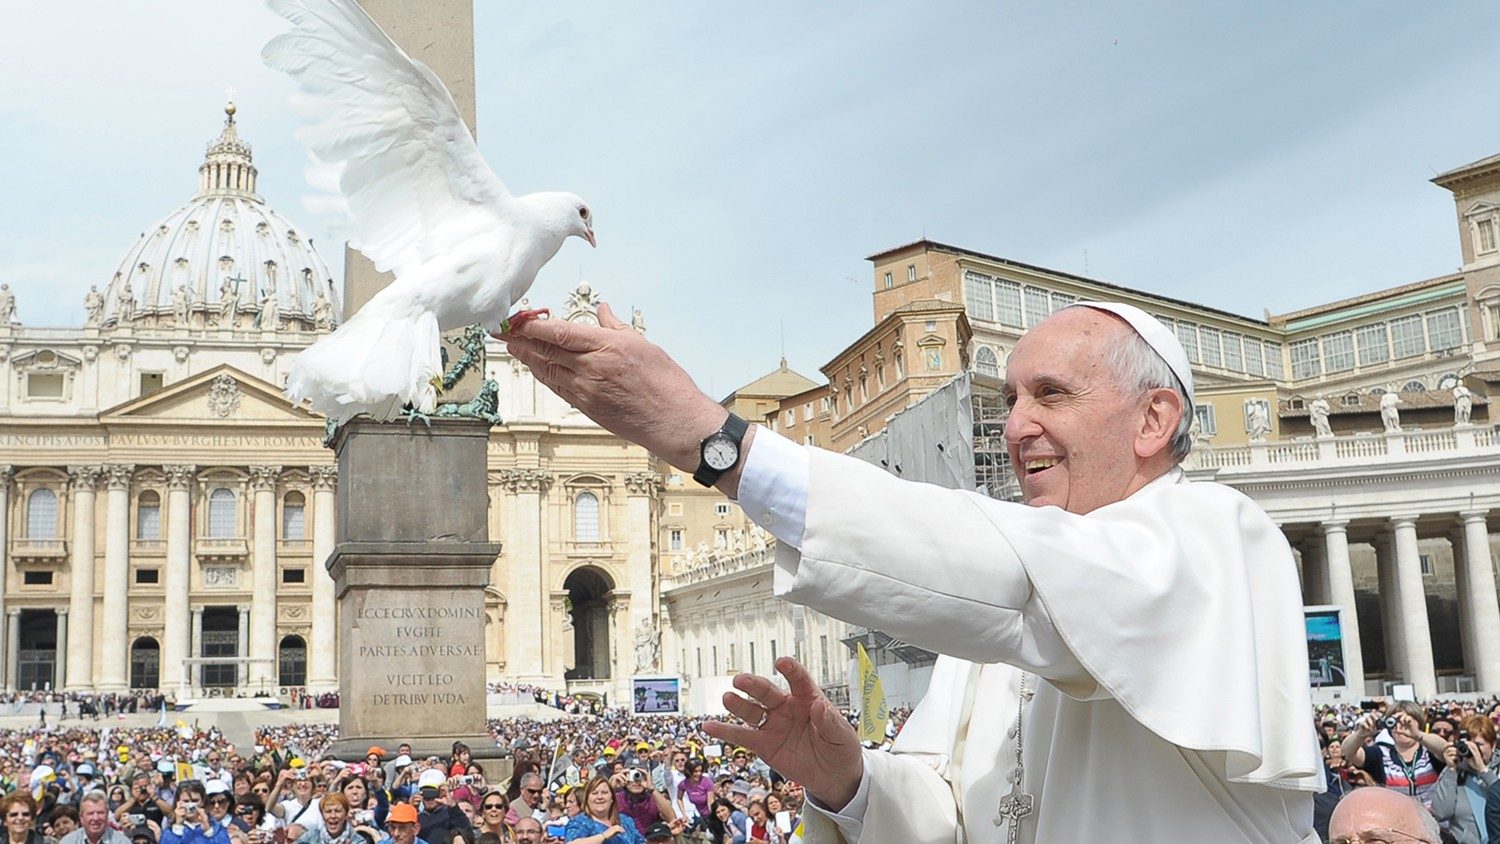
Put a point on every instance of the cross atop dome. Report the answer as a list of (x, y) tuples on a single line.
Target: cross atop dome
[(227, 168)]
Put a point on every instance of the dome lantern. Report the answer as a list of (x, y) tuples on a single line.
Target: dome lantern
[(227, 169)]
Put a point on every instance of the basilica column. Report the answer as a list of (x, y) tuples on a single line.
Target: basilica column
[(642, 489), (6, 474), (196, 646), (80, 641), (1314, 571), (526, 552), (12, 647), (114, 658), (174, 646), (1411, 600), (263, 578), (322, 651), (1341, 592), (242, 646), (1483, 616), (60, 669)]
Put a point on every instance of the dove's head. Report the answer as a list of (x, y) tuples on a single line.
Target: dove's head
[(565, 214)]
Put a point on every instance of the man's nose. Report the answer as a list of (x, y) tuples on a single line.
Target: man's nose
[(1020, 423)]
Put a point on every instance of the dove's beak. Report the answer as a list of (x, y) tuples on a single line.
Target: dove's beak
[(589, 236)]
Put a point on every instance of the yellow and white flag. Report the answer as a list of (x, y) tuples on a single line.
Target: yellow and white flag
[(872, 712)]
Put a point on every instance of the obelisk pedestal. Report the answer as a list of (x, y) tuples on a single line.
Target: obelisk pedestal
[(412, 560)]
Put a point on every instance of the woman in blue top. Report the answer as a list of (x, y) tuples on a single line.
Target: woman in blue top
[(601, 821)]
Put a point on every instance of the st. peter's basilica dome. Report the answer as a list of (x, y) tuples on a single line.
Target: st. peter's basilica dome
[(221, 259)]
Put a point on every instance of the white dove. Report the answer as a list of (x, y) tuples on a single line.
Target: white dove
[(423, 204)]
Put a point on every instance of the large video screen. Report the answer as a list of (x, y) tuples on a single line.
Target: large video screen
[(1325, 647), (655, 695)]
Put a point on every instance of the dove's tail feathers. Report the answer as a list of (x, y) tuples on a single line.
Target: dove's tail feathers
[(373, 364)]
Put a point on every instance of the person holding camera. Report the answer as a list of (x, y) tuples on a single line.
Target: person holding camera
[(637, 797), (367, 806), (301, 809), (142, 805), (1409, 761), (191, 822), (440, 819), (93, 827), (1462, 791)]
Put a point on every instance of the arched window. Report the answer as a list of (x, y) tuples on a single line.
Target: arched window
[(145, 663), (586, 517), (222, 523), (148, 515), (1414, 387), (41, 514), (986, 362), (291, 660), (293, 514)]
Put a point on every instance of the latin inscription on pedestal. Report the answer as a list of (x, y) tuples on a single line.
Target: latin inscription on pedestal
[(413, 656)]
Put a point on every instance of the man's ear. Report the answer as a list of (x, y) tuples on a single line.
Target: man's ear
[(1161, 414)]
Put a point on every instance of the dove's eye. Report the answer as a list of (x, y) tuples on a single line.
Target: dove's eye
[(584, 213)]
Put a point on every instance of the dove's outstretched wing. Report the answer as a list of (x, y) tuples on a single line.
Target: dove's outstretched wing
[(410, 168)]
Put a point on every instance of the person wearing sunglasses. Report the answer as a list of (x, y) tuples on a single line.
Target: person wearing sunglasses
[(18, 810), (530, 802), (491, 815)]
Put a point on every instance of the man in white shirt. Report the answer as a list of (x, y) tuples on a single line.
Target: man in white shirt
[(1130, 661)]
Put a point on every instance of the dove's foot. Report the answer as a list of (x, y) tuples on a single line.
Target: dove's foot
[(437, 383), (412, 414), (520, 318)]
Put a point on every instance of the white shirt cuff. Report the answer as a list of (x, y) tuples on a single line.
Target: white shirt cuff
[(773, 486), (851, 820)]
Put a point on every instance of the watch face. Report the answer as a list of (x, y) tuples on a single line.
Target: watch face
[(720, 452)]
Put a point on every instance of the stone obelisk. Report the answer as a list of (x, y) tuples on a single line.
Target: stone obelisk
[(413, 553)]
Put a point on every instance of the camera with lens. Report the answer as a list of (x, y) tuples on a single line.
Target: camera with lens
[(1389, 722), (190, 810), (466, 779), (364, 817), (1463, 744), (635, 775)]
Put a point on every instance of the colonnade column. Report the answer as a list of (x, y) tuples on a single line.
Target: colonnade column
[(80, 641), (1315, 571), (1390, 611), (1483, 616), (61, 668), (263, 480), (113, 654), (322, 651), (12, 647), (174, 645), (641, 489), (1341, 593), (6, 474), (1411, 598)]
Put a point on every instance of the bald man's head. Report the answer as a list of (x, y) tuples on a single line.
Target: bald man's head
[(1373, 808)]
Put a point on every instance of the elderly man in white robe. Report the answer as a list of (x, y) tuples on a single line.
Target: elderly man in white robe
[(1124, 653)]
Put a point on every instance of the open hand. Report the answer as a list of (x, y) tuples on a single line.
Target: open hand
[(798, 732)]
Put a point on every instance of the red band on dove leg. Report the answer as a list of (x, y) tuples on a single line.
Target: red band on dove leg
[(520, 318)]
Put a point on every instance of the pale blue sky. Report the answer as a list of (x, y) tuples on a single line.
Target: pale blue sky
[(743, 159)]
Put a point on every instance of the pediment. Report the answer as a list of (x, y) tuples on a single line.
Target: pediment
[(1480, 208), (219, 394), (43, 360)]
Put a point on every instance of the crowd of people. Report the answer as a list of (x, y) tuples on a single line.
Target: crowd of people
[(612, 776), (1440, 755)]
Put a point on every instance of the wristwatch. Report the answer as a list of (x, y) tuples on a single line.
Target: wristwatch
[(720, 451)]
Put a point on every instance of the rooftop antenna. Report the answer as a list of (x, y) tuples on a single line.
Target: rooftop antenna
[(1085, 262), (783, 341)]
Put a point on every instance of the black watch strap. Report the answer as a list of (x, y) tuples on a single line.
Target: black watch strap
[(734, 428)]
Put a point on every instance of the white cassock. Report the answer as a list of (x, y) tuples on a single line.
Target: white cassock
[(1166, 630)]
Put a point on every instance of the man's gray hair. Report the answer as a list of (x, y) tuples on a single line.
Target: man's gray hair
[(1140, 368), (94, 796), (533, 778)]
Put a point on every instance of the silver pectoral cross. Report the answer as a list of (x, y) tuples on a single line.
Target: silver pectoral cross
[(1013, 807)]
